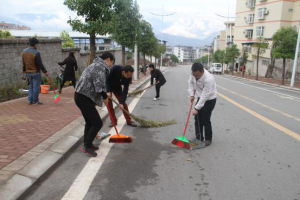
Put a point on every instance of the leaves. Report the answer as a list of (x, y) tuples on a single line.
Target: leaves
[(174, 58), (219, 56), (66, 39)]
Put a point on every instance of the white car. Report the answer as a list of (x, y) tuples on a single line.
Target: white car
[(216, 68)]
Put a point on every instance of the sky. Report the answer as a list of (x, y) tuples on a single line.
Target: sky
[(193, 18)]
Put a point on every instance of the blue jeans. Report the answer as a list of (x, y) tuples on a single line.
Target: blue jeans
[(34, 87)]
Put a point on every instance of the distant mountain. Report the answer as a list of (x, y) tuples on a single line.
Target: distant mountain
[(9, 20), (184, 41)]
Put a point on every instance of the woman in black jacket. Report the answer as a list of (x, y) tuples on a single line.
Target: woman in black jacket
[(69, 72), (159, 78)]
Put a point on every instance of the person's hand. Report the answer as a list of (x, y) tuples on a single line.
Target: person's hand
[(47, 74), (121, 106), (195, 112), (157, 82), (192, 99), (105, 101), (109, 94)]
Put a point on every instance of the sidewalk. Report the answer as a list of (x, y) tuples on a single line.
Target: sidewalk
[(34, 138), (271, 81)]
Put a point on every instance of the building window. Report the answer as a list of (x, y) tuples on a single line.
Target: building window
[(250, 19), (261, 13), (265, 62), (250, 4), (249, 33), (101, 48), (260, 31)]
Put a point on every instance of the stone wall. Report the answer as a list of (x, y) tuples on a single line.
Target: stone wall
[(51, 51)]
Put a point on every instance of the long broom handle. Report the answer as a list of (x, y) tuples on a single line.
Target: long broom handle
[(112, 119), (51, 85), (118, 105), (189, 116)]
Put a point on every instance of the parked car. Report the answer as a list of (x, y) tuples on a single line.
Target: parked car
[(216, 68)]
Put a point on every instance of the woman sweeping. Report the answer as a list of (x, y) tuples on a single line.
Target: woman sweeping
[(69, 72), (159, 78), (89, 92)]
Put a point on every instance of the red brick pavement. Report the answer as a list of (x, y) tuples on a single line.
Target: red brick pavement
[(23, 126), (269, 80)]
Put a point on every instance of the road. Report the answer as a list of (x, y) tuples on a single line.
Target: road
[(254, 153)]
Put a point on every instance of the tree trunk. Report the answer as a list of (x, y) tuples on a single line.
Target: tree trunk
[(283, 72), (92, 46), (138, 62), (144, 59), (257, 60), (123, 56), (232, 71), (155, 61)]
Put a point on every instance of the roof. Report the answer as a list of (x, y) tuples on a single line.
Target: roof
[(51, 34)]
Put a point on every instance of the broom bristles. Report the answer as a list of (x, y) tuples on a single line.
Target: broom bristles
[(181, 144), (151, 123), (135, 93), (120, 139)]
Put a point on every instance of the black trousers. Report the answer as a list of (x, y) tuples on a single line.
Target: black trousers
[(157, 87), (64, 81), (203, 120), (93, 121)]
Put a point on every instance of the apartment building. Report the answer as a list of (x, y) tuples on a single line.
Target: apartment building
[(220, 41), (262, 18)]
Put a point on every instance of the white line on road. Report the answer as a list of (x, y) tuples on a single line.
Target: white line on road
[(278, 93), (82, 183)]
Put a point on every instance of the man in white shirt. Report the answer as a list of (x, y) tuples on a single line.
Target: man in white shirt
[(203, 84)]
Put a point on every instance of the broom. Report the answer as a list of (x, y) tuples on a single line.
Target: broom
[(138, 92), (56, 97), (182, 141), (118, 138), (145, 122)]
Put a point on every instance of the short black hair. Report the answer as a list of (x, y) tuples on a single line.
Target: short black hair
[(128, 68), (151, 66), (33, 41), (106, 55), (197, 67)]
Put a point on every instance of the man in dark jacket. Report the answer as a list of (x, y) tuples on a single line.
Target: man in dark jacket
[(120, 76), (159, 78), (32, 66)]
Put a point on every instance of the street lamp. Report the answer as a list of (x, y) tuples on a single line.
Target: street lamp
[(162, 28), (296, 59)]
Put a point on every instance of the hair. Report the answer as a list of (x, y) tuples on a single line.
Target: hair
[(71, 54), (33, 41), (197, 67), (128, 68), (151, 66), (106, 55)]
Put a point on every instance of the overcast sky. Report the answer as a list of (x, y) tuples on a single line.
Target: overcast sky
[(192, 18)]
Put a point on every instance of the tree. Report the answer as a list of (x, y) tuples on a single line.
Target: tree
[(219, 56), (284, 40), (5, 34), (232, 53), (260, 47), (126, 24), (174, 59), (98, 16), (66, 39)]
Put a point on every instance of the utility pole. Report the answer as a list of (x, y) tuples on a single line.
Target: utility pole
[(162, 28), (296, 59)]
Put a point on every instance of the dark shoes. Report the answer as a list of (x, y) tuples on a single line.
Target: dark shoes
[(89, 151), (38, 103), (132, 124), (95, 148), (207, 143), (59, 91)]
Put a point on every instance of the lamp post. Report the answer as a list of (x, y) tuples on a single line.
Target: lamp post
[(296, 59)]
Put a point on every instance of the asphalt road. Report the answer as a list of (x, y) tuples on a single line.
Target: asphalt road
[(255, 152)]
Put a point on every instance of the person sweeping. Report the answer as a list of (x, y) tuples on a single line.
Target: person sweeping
[(91, 90), (204, 84), (118, 82), (69, 72), (159, 79)]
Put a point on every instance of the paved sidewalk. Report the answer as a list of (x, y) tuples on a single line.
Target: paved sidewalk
[(34, 135), (273, 81)]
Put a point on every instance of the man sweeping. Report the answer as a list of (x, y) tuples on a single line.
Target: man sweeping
[(159, 79), (118, 82), (204, 84)]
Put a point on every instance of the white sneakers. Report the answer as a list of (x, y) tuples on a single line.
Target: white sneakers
[(155, 99)]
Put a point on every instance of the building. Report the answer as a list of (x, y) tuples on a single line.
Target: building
[(220, 41), (81, 40), (262, 18), (186, 54), (10, 26), (230, 25)]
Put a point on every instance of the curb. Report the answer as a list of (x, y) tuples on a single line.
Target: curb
[(21, 183), (265, 83)]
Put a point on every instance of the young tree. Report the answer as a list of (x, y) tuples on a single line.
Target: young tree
[(232, 53), (98, 16), (66, 39), (174, 59), (284, 40), (219, 56), (5, 34), (260, 47), (126, 24)]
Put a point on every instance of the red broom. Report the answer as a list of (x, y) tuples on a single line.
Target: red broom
[(118, 138), (56, 97), (182, 141)]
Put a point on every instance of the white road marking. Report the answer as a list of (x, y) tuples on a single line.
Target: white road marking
[(278, 93), (82, 183)]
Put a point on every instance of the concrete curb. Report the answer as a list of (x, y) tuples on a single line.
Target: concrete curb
[(264, 83), (26, 178)]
